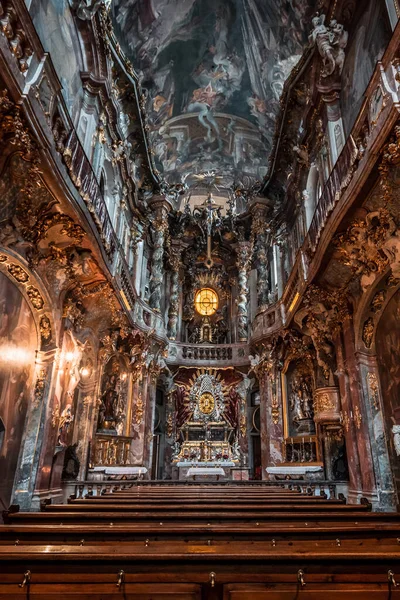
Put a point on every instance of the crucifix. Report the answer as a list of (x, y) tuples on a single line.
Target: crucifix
[(210, 211)]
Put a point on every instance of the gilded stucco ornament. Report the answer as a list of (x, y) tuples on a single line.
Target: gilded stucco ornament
[(323, 403), (18, 273), (40, 386), (345, 420), (370, 245), (321, 315), (357, 417), (368, 332), (138, 410), (373, 388), (45, 330)]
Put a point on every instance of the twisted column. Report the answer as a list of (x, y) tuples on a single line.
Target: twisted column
[(243, 262), (175, 261), (160, 230), (261, 239)]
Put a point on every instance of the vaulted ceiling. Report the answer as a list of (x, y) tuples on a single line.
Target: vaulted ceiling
[(212, 72)]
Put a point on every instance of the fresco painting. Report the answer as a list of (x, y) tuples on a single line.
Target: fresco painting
[(18, 343), (212, 72), (370, 38), (387, 350), (55, 25)]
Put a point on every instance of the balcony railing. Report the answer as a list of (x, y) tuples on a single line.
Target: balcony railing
[(339, 179), (234, 354), (85, 180)]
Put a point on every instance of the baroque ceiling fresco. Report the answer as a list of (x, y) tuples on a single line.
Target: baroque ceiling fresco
[(212, 72)]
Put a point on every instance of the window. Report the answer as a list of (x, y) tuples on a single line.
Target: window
[(206, 302)]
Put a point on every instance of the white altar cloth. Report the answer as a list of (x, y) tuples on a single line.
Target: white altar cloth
[(295, 470), (121, 470), (205, 465), (193, 471)]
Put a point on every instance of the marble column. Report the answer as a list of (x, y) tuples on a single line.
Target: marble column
[(173, 312), (137, 426), (353, 460), (160, 208), (372, 403), (357, 418), (244, 252), (85, 421), (260, 236), (271, 417), (33, 439), (149, 414)]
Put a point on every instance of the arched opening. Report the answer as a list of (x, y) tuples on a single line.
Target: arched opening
[(18, 345), (387, 350)]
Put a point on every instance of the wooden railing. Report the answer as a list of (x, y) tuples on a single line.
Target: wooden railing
[(339, 179), (310, 488)]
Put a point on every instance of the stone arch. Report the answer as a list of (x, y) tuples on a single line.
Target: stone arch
[(371, 308), (19, 345), (35, 294)]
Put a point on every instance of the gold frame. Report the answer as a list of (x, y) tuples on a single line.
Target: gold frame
[(196, 301), (286, 435)]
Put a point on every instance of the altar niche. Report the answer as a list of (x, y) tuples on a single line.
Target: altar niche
[(300, 443), (207, 436)]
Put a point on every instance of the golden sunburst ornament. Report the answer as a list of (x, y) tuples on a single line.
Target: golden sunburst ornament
[(206, 403)]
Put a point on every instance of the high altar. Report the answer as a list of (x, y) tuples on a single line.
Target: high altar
[(209, 438)]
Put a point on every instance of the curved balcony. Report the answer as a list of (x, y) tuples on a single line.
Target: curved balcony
[(203, 355)]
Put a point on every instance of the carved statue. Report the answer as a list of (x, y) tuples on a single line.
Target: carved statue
[(301, 404), (66, 419), (71, 464), (331, 42), (396, 438)]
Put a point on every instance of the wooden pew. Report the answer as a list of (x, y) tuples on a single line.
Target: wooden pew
[(204, 544)]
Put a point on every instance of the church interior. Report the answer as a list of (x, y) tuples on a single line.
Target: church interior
[(199, 299)]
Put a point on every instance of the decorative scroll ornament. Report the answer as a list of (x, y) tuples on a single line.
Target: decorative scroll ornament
[(18, 273), (373, 388), (357, 417), (138, 411), (370, 245), (320, 317), (275, 412), (368, 332), (170, 425), (345, 420), (323, 403), (39, 387), (45, 330)]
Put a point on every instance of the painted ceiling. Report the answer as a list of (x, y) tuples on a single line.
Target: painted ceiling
[(212, 72)]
